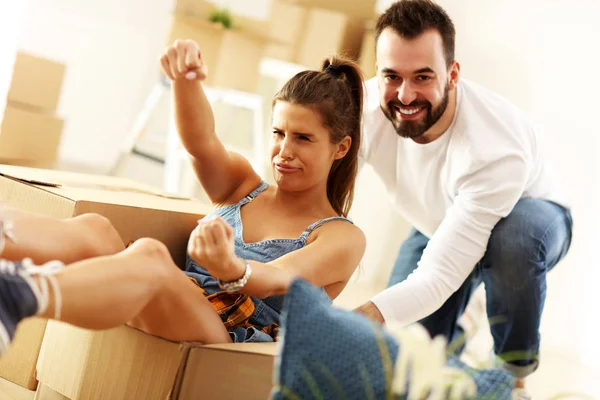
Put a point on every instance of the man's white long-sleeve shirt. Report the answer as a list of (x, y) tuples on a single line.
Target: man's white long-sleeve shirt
[(454, 190)]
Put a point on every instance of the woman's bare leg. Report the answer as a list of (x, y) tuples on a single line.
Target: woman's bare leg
[(43, 239), (141, 286)]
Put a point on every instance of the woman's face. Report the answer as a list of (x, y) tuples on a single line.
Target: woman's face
[(301, 149)]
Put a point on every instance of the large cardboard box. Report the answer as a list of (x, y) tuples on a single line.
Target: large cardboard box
[(134, 209), (232, 55), (124, 364), (355, 8), (36, 81), (31, 130), (29, 137), (286, 30), (313, 34), (367, 55)]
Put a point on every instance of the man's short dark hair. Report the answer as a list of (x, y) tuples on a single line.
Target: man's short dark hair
[(410, 18)]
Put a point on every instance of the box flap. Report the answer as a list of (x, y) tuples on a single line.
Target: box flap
[(268, 349), (103, 189)]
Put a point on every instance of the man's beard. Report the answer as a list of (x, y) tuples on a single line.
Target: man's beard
[(413, 129)]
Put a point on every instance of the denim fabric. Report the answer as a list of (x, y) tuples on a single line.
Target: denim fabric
[(330, 353), (522, 248), (267, 309)]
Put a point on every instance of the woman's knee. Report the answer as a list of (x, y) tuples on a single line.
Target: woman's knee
[(151, 247), (99, 235), (160, 262)]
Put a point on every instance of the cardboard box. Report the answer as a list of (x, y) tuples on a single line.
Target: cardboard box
[(367, 59), (313, 34), (36, 82), (124, 363), (10, 391), (354, 8), (202, 9), (232, 55), (329, 33), (134, 209), (286, 27), (46, 393), (29, 137)]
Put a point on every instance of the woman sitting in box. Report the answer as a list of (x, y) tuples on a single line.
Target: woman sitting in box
[(242, 258)]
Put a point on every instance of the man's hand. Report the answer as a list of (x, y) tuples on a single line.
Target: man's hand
[(370, 311)]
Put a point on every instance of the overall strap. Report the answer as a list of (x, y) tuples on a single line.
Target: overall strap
[(261, 188), (320, 222)]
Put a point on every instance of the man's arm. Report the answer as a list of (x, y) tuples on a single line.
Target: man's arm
[(484, 197)]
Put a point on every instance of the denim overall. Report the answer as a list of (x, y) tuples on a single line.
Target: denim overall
[(267, 310)]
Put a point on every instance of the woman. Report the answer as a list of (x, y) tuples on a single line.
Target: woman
[(259, 239)]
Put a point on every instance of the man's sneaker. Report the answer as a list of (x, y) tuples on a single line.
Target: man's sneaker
[(22, 296)]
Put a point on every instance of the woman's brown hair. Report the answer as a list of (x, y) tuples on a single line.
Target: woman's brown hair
[(336, 92)]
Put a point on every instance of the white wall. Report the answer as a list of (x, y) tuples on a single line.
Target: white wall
[(11, 16), (110, 48)]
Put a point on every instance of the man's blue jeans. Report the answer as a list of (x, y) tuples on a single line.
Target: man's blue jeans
[(523, 247)]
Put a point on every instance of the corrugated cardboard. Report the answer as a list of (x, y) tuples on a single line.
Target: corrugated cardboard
[(10, 391), (121, 363), (124, 363), (36, 81), (312, 34), (355, 8), (29, 137), (229, 371), (367, 55), (232, 55), (46, 393), (134, 209), (18, 364)]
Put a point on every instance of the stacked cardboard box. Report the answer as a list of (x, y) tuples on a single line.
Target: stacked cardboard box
[(232, 55), (135, 210), (367, 55), (355, 8), (309, 31), (31, 129)]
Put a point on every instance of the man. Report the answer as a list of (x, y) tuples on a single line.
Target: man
[(464, 167)]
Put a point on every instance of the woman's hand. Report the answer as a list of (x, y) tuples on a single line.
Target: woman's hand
[(211, 246), (183, 60)]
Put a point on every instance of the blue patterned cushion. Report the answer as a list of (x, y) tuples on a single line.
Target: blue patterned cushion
[(330, 353)]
